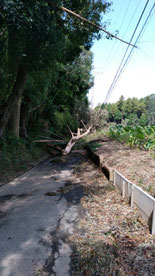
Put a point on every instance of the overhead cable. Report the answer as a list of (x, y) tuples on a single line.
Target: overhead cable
[(130, 54), (114, 49), (119, 68)]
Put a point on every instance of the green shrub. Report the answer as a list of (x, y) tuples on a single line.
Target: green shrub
[(16, 154), (141, 136)]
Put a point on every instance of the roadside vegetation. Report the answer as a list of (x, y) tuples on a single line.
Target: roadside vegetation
[(140, 136), (130, 121), (126, 145), (132, 111), (18, 155)]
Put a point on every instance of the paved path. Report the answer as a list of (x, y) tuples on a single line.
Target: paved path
[(34, 226)]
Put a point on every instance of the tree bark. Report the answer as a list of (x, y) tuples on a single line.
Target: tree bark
[(13, 63), (14, 97), (74, 138), (69, 146), (14, 120), (23, 119)]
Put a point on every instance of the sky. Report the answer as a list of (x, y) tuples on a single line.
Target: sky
[(138, 78)]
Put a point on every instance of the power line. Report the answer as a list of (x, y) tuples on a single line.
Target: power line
[(131, 53), (115, 47), (115, 42), (119, 68), (138, 39)]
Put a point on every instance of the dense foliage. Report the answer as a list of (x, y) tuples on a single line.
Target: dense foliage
[(133, 121), (141, 136), (132, 111), (45, 62)]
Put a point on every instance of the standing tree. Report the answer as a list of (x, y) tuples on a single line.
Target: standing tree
[(37, 33)]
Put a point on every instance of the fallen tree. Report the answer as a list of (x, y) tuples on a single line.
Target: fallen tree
[(81, 132), (75, 138)]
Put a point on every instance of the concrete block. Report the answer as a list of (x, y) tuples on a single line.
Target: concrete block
[(153, 222), (108, 172), (144, 202)]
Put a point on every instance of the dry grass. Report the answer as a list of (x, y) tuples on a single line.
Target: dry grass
[(136, 165), (114, 239)]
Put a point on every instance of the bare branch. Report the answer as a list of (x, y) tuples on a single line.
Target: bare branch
[(83, 125), (93, 24), (71, 132), (78, 132), (50, 141), (86, 132), (73, 140), (55, 147)]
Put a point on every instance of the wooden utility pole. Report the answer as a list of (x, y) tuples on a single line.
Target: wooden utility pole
[(94, 25)]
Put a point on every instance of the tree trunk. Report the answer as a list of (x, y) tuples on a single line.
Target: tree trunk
[(69, 146), (23, 119), (14, 120), (14, 98), (13, 63), (75, 137)]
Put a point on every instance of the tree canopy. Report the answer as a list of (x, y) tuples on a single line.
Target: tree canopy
[(45, 60), (132, 111)]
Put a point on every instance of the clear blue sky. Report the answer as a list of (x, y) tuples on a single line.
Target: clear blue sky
[(138, 79)]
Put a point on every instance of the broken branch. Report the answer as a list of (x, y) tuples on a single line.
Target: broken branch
[(83, 125), (72, 134), (50, 141), (74, 139)]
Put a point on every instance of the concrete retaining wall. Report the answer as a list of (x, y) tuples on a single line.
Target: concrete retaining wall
[(130, 192), (137, 197)]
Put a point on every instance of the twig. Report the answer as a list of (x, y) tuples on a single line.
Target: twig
[(70, 132), (83, 125)]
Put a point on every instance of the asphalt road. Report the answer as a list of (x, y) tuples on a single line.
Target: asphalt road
[(35, 222)]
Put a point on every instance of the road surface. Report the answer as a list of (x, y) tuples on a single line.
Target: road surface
[(35, 220)]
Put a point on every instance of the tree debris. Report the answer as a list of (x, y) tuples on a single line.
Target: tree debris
[(75, 138)]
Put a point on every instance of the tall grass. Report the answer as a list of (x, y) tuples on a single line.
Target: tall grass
[(17, 154)]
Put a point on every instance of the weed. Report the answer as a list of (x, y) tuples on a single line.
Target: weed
[(16, 154), (142, 137)]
